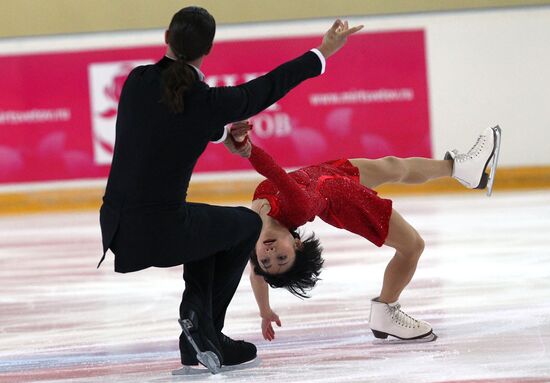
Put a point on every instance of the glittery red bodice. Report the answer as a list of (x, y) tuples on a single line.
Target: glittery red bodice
[(330, 190)]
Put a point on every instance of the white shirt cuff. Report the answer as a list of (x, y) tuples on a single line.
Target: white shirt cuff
[(321, 57), (223, 137)]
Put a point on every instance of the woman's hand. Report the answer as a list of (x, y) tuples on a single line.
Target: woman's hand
[(267, 328), (336, 37), (237, 141), (239, 130)]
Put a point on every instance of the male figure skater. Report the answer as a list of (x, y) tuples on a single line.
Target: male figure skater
[(167, 115)]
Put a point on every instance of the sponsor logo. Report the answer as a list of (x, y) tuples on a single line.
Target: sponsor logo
[(106, 81), (34, 116)]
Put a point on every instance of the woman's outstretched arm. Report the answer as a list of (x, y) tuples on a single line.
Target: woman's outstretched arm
[(296, 206), (261, 293)]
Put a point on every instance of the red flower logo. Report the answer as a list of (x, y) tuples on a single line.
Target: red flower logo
[(112, 91)]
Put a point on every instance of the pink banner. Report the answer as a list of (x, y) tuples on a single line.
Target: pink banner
[(58, 110)]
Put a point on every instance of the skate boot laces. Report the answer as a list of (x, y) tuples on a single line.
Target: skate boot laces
[(474, 151), (401, 318)]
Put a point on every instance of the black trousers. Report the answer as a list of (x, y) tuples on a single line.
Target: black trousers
[(224, 237), (212, 242)]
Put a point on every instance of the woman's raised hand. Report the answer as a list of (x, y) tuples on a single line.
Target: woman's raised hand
[(239, 130), (237, 141)]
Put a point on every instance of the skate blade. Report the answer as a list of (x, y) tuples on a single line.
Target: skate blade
[(207, 358), (196, 370), (497, 134), (391, 340)]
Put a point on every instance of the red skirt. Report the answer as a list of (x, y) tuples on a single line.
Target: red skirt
[(352, 206)]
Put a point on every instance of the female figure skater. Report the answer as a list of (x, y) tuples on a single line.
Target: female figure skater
[(167, 115), (341, 193)]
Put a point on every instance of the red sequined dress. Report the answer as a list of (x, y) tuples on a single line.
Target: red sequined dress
[(330, 191)]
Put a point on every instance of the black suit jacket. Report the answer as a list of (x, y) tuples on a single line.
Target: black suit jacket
[(156, 150)]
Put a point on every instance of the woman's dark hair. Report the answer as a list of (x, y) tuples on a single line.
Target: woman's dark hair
[(303, 274), (190, 36)]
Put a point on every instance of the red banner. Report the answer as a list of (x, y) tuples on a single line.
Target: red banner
[(58, 110)]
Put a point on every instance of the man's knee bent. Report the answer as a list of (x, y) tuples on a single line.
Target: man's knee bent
[(251, 222)]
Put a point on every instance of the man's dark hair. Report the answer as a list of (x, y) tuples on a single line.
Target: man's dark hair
[(190, 36), (303, 274)]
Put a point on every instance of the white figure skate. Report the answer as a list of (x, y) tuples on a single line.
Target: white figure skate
[(470, 168), (387, 319)]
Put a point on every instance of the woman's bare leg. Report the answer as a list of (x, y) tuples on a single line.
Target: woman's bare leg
[(402, 236), (408, 247), (386, 317), (412, 170)]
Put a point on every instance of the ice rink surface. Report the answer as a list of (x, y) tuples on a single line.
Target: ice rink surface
[(483, 282)]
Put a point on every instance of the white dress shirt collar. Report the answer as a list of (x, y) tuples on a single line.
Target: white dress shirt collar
[(199, 72)]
